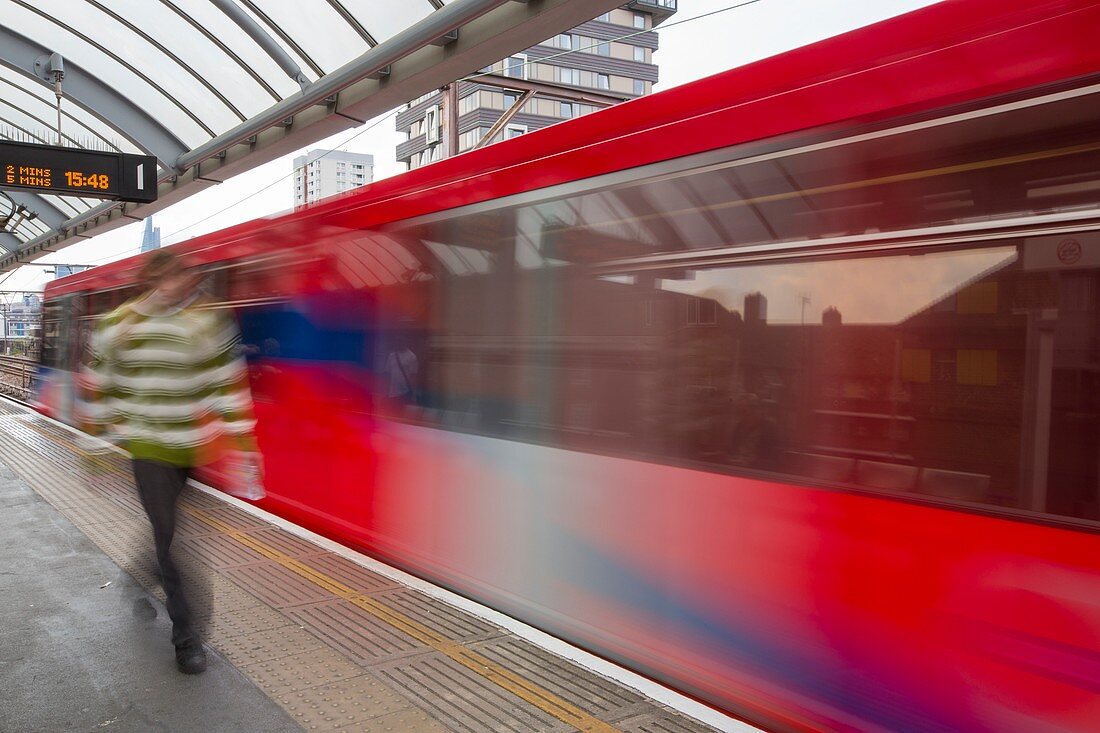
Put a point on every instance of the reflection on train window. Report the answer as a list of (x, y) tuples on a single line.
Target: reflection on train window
[(967, 375), (929, 176), (922, 374), (54, 333)]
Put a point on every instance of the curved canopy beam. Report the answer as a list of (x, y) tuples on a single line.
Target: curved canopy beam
[(237, 14), (117, 111), (9, 242), (45, 210)]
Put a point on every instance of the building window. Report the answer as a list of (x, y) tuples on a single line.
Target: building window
[(701, 312), (564, 40), (977, 367), (979, 298), (605, 17), (639, 54), (943, 365), (639, 20), (510, 98), (471, 138), (603, 81), (603, 48), (916, 365), (512, 131), (569, 76), (566, 109), (431, 124), (516, 66), (639, 87)]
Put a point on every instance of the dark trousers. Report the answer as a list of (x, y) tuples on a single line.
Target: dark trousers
[(160, 485)]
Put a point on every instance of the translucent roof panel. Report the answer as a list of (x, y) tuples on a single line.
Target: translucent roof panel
[(317, 29), (387, 19), (77, 122), (167, 76), (159, 103), (201, 55), (204, 15)]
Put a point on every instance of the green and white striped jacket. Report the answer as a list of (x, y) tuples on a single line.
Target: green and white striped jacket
[(170, 385)]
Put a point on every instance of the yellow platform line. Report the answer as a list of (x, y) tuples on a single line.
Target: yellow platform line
[(503, 677)]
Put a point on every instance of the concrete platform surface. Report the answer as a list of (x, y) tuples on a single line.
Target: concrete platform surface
[(77, 656)]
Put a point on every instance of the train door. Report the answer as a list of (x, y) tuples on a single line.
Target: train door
[(304, 341), (52, 390)]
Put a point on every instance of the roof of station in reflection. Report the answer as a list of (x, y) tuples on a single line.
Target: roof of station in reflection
[(176, 78)]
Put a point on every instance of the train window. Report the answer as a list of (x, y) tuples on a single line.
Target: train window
[(950, 175), (966, 375), (586, 320), (102, 302), (54, 329)]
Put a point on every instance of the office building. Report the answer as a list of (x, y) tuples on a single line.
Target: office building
[(150, 238), (60, 271)]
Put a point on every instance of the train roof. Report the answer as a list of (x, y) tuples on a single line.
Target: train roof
[(946, 55)]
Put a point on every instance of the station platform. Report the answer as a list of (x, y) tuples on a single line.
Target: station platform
[(302, 635)]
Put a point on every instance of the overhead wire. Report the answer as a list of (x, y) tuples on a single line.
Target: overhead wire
[(626, 36)]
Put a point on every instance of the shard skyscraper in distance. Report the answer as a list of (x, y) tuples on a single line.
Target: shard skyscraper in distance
[(150, 238)]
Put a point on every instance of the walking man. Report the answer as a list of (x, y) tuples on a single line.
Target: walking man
[(165, 380)]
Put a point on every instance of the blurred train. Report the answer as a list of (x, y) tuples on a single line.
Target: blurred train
[(781, 387)]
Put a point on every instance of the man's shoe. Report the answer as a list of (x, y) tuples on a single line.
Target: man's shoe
[(191, 659)]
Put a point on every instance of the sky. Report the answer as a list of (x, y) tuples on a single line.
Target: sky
[(872, 290), (705, 37)]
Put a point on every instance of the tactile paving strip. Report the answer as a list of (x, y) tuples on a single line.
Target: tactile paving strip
[(225, 628), (578, 686), (275, 585), (220, 551), (411, 720), (237, 519), (300, 671), (347, 702), (188, 526), (362, 637), (469, 704), (388, 660), (270, 645), (285, 543), (665, 721), (351, 575), (438, 616)]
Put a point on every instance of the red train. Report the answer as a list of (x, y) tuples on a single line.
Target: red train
[(781, 387)]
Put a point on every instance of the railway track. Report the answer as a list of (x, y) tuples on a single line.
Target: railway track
[(16, 373)]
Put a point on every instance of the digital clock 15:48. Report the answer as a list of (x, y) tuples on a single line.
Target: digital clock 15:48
[(89, 180)]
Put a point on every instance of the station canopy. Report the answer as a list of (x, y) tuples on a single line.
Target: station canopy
[(215, 87)]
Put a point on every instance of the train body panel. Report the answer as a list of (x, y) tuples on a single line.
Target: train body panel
[(778, 387)]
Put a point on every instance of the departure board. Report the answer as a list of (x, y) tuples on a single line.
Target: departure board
[(74, 171)]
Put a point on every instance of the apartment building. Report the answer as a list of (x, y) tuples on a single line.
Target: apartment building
[(600, 62)]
